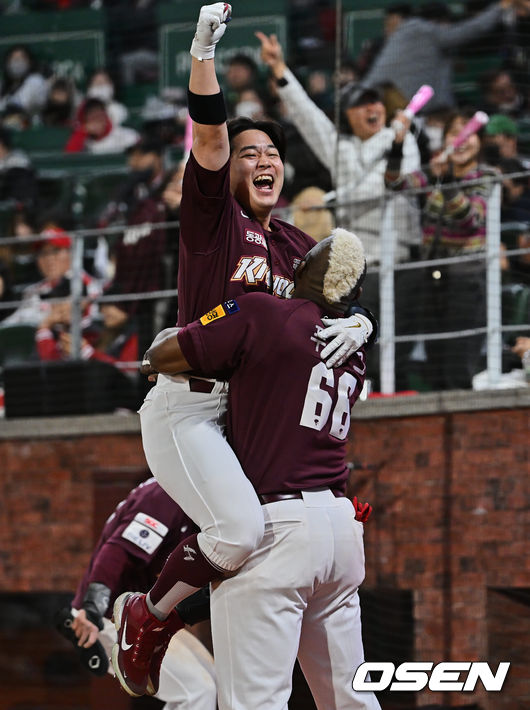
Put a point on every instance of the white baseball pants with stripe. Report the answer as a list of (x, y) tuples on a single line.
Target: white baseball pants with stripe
[(187, 674), (296, 595), (186, 450)]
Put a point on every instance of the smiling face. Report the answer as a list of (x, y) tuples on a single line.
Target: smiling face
[(256, 173), (466, 156), (367, 119)]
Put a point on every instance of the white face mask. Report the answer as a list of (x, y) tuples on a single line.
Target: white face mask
[(17, 68), (103, 92)]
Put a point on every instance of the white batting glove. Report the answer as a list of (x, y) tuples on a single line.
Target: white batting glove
[(348, 334), (211, 27)]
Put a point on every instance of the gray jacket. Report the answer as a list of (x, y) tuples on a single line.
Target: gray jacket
[(419, 52)]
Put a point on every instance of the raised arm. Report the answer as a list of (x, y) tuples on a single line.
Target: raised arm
[(455, 35), (311, 122), (205, 99)]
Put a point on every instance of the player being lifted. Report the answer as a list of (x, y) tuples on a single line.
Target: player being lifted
[(229, 244), (288, 420)]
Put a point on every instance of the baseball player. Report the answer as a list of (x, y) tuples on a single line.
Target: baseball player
[(229, 244), (132, 548), (289, 416)]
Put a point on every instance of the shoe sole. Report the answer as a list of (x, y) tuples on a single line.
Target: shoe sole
[(117, 614)]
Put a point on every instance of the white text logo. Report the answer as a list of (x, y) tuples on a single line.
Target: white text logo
[(442, 677)]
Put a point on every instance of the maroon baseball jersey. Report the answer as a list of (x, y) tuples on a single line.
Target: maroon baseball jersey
[(147, 525), (225, 252), (288, 415)]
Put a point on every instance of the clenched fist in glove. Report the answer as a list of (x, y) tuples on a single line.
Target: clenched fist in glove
[(211, 27), (348, 334)]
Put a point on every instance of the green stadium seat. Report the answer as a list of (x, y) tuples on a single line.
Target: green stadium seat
[(17, 344), (41, 139), (71, 43)]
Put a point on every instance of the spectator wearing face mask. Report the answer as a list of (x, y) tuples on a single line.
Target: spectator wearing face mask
[(95, 132), (60, 105), (101, 86), (22, 85)]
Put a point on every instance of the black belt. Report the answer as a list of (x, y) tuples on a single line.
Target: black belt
[(203, 386), (265, 498)]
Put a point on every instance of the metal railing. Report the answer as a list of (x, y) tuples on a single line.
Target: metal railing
[(493, 329)]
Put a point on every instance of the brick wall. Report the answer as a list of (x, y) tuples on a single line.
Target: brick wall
[(451, 522)]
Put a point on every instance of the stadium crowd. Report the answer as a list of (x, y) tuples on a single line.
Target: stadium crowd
[(447, 219)]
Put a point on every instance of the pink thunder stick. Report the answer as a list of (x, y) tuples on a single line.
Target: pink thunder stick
[(417, 102)]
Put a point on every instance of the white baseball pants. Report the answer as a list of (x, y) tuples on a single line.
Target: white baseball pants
[(296, 595), (187, 675), (186, 450)]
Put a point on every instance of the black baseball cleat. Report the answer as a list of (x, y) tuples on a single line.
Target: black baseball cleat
[(95, 658)]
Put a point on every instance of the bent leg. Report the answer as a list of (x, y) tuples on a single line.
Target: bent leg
[(191, 459)]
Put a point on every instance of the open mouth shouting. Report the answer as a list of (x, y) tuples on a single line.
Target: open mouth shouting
[(264, 183)]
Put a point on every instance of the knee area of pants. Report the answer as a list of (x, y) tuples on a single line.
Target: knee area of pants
[(248, 539)]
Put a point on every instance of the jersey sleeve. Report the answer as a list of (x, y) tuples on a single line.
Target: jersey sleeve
[(223, 338), (205, 207)]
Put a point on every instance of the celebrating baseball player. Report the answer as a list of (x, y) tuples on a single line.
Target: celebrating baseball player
[(131, 550), (229, 244), (289, 415)]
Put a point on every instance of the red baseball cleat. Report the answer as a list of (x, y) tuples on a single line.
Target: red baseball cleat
[(173, 623), (142, 643)]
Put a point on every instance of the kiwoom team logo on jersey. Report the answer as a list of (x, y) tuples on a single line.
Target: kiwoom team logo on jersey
[(255, 269)]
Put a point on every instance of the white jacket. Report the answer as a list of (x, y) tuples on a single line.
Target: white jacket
[(361, 169)]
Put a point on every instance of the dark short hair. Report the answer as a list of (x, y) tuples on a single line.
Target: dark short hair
[(271, 128), (245, 60), (92, 104)]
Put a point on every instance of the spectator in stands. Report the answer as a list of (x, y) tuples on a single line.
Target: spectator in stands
[(133, 40), (22, 85), (371, 48), (17, 177), (116, 342), (501, 94), (171, 192), (241, 74), (500, 139), (362, 149), (101, 86), (310, 213), (61, 102), (54, 264), (95, 132), (160, 121), (515, 192), (15, 118), (448, 297), (139, 251), (419, 52)]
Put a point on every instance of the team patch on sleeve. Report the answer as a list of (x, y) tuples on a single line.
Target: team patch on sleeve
[(146, 532), (227, 308)]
